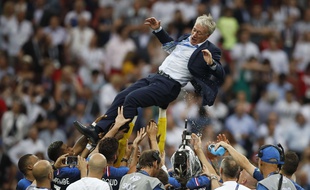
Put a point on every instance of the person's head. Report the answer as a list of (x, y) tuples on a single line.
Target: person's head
[(109, 148), (58, 148), (150, 160), (291, 164), (82, 21), (97, 164), (162, 176), (117, 81), (43, 172), (52, 123), (33, 134), (79, 6), (270, 158), (274, 42), (17, 105), (244, 35), (229, 169), (301, 119), (272, 118), (247, 180), (8, 9), (240, 109), (203, 28), (26, 162), (54, 22)]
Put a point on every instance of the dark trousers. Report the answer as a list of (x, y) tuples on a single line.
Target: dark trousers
[(155, 90)]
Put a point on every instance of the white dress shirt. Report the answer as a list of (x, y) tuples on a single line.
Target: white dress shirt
[(58, 35), (175, 65), (80, 39), (86, 183), (231, 185), (7, 124), (27, 146), (278, 60), (116, 50)]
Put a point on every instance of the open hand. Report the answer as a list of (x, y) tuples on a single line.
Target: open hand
[(120, 119), (152, 22), (207, 56)]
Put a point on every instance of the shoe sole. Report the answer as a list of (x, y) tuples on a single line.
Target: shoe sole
[(77, 126)]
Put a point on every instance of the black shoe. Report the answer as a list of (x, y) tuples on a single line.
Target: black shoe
[(89, 131)]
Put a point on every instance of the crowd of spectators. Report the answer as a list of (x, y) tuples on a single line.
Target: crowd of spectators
[(62, 61)]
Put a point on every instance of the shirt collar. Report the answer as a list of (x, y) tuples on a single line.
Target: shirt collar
[(229, 182), (198, 45), (144, 172)]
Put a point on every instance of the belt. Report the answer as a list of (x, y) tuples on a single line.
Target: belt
[(164, 74)]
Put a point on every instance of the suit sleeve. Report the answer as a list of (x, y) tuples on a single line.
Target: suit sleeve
[(163, 36), (219, 72)]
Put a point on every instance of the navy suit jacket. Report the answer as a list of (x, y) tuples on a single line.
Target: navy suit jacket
[(205, 80)]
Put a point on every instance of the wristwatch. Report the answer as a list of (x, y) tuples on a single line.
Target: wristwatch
[(213, 63), (214, 177), (53, 166)]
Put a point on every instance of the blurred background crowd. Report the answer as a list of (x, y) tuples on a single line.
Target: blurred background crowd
[(62, 61)]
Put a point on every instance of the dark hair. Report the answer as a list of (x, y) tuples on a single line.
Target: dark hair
[(23, 163), (108, 147), (291, 163), (230, 167), (162, 176), (54, 150), (148, 157)]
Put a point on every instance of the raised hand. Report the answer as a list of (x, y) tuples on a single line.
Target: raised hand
[(60, 162), (152, 22), (207, 56), (196, 141), (140, 136), (152, 130), (222, 137), (120, 119)]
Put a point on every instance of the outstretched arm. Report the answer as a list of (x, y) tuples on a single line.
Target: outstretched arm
[(241, 160), (119, 122), (151, 130), (153, 23), (135, 149), (199, 152), (161, 34)]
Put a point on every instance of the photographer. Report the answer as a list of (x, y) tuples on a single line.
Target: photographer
[(64, 175)]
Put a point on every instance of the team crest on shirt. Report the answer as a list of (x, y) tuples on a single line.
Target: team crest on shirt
[(135, 178)]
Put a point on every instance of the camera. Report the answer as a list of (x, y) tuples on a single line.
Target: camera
[(184, 161), (71, 160)]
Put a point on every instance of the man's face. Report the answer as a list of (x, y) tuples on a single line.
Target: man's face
[(34, 159), (66, 149), (241, 176), (199, 34)]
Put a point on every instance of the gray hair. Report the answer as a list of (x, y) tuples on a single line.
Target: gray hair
[(230, 167), (207, 21)]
